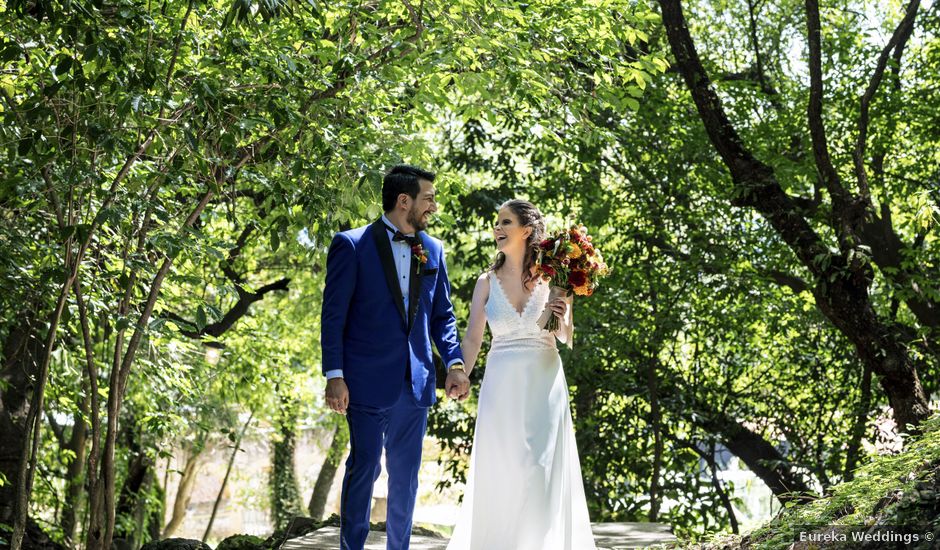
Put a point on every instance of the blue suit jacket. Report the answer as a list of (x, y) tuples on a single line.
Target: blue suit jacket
[(365, 330)]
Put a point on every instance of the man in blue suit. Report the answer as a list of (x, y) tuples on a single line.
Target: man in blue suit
[(386, 297)]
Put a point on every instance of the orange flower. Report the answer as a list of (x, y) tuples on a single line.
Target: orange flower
[(583, 290), (575, 251), (418, 252)]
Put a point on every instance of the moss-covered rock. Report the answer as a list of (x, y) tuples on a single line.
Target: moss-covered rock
[(176, 544), (241, 542)]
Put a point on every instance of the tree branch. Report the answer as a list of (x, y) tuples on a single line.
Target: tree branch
[(900, 36), (232, 315), (761, 76), (785, 279), (709, 458), (755, 183), (841, 199)]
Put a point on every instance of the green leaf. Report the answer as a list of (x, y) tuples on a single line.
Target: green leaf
[(200, 318), (65, 63), (275, 239), (123, 322)]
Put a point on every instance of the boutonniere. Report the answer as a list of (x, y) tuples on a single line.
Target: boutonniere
[(418, 252)]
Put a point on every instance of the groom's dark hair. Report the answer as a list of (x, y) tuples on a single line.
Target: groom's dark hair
[(402, 178)]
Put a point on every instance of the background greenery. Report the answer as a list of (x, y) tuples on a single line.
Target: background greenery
[(172, 172)]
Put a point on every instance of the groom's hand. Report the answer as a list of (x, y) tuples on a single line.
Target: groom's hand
[(457, 385), (337, 395)]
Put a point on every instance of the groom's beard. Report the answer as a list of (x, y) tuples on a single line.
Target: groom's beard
[(416, 220)]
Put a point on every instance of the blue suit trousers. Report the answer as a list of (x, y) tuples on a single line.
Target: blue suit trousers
[(400, 430)]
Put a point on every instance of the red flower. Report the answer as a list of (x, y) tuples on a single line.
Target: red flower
[(548, 270), (547, 244), (418, 252), (577, 278)]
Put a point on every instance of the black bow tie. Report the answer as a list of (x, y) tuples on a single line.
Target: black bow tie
[(399, 236)]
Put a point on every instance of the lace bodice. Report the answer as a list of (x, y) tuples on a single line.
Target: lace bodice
[(512, 330)]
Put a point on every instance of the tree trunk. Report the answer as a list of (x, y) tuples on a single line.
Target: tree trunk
[(228, 470), (709, 458), (146, 523), (75, 474), (119, 376), (22, 351), (139, 470), (858, 430), (760, 456), (158, 513), (132, 508), (285, 495), (183, 493), (321, 489), (89, 471), (655, 422)]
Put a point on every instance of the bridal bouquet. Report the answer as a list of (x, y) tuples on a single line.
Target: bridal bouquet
[(571, 264)]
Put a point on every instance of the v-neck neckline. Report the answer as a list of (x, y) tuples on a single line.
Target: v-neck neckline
[(502, 291)]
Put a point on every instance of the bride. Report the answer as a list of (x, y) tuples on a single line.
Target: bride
[(524, 489)]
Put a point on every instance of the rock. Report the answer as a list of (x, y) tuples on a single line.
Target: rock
[(241, 542), (176, 544), (300, 525)]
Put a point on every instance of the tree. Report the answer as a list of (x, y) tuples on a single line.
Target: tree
[(841, 278)]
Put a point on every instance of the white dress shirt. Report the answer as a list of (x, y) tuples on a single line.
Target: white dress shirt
[(401, 253)]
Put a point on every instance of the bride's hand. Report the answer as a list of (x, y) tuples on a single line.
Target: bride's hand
[(559, 307)]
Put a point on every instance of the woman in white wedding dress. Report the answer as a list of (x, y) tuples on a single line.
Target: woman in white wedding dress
[(524, 488)]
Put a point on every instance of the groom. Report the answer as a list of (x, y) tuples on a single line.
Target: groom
[(386, 296)]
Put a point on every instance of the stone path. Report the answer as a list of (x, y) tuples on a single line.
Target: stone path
[(607, 536)]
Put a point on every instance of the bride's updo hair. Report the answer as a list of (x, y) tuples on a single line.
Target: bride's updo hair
[(529, 216)]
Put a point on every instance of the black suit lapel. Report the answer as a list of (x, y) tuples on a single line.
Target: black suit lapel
[(414, 289), (388, 265)]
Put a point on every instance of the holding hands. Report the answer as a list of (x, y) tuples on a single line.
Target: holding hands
[(457, 385)]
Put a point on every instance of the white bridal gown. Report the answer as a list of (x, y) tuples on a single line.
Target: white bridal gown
[(524, 488)]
